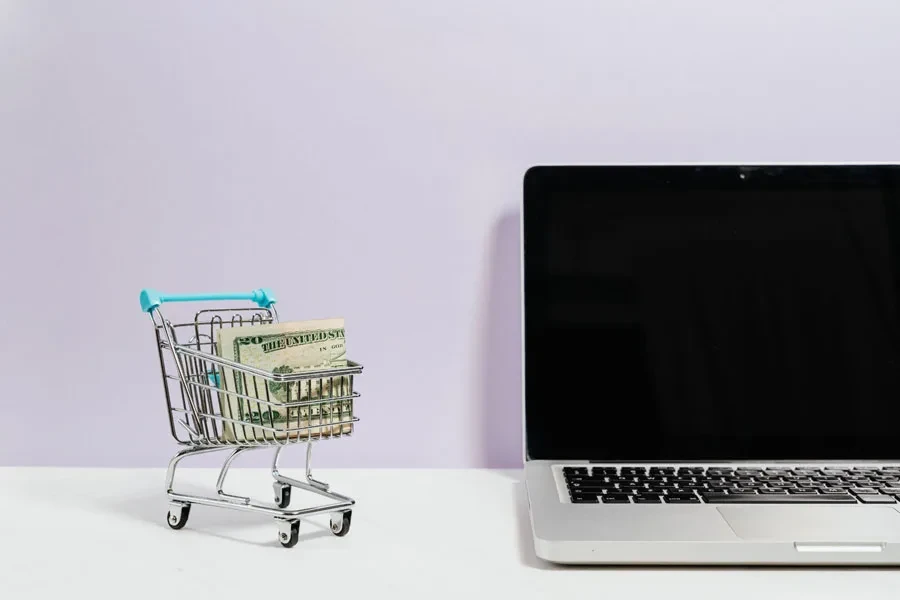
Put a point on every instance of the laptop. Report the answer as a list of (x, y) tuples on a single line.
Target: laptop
[(712, 363)]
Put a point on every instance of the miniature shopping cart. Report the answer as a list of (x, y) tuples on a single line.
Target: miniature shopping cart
[(217, 404)]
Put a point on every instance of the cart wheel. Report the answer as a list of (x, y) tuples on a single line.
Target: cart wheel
[(340, 523), (289, 533), (282, 494), (178, 515)]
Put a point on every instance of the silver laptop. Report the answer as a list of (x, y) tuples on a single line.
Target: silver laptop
[(712, 363)]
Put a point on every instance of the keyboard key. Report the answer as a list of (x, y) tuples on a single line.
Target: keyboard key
[(645, 499), (748, 472), (602, 471), (688, 471), (863, 490), (772, 491), (694, 485), (593, 486), (585, 499), (682, 499), (575, 470), (804, 491), (585, 478), (633, 470), (719, 471), (615, 499), (596, 489), (808, 471), (778, 472), (684, 484), (662, 471), (876, 499), (779, 499)]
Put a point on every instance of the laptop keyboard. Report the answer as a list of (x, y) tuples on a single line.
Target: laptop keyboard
[(723, 485)]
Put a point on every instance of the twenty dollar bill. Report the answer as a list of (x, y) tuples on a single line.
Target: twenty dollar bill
[(284, 348)]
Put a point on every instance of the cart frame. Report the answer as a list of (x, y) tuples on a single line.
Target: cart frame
[(204, 420)]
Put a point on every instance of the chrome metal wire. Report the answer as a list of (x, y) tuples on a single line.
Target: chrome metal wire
[(198, 396)]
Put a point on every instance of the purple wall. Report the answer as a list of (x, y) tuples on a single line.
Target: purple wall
[(229, 145)]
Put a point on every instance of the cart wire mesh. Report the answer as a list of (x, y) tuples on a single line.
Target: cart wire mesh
[(213, 401)]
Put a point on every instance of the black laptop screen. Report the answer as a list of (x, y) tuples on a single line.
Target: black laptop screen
[(687, 313)]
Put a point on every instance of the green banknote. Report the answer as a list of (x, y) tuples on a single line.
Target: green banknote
[(284, 348)]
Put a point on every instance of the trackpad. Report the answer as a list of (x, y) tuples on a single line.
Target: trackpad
[(813, 523)]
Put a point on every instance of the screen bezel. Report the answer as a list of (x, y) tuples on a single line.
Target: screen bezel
[(542, 182)]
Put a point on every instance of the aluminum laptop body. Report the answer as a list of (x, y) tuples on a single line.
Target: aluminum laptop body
[(711, 363)]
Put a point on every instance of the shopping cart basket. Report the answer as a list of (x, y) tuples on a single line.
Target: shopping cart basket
[(217, 404)]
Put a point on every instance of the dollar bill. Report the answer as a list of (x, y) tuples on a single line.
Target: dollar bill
[(284, 348)]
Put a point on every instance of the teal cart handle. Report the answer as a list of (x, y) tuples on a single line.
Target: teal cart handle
[(151, 299)]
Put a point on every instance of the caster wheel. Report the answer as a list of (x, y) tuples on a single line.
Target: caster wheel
[(282, 494), (178, 515), (289, 533), (340, 523)]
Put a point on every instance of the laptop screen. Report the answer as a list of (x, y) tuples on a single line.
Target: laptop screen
[(712, 313)]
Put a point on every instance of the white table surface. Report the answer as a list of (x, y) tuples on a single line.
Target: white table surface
[(415, 533)]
